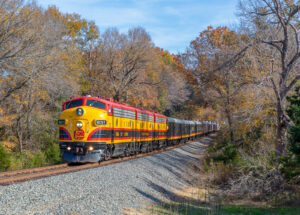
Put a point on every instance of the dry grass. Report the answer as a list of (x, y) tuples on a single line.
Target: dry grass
[(133, 211), (192, 193)]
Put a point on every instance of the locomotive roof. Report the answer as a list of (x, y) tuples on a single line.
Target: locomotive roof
[(119, 104), (186, 122), (170, 119)]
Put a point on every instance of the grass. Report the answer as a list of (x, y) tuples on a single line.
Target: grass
[(237, 210), (189, 209)]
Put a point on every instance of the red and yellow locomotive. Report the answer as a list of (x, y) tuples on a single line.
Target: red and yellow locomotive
[(92, 129)]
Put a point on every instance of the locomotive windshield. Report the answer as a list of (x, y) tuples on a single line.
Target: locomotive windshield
[(74, 103), (94, 103)]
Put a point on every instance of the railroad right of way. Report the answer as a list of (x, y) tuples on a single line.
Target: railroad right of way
[(106, 189)]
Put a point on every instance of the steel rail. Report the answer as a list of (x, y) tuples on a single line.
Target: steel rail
[(7, 178)]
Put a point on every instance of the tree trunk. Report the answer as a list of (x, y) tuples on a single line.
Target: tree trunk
[(29, 111), (116, 97), (228, 113), (229, 119), (19, 134), (281, 131), (280, 143)]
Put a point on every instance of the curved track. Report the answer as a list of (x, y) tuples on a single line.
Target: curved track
[(7, 178)]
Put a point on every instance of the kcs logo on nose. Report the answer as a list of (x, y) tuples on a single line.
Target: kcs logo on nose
[(79, 134)]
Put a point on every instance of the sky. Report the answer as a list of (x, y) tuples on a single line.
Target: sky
[(172, 24)]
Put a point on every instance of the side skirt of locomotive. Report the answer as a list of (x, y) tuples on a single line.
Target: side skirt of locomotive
[(81, 152)]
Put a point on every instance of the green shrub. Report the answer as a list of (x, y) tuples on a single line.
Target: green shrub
[(27, 159), (37, 160), (294, 139), (228, 154), (4, 159), (52, 153), (291, 162), (51, 148), (30, 159)]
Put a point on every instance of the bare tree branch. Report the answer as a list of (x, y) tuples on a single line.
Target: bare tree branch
[(274, 43), (13, 89), (291, 85)]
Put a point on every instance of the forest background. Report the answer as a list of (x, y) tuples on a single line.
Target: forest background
[(244, 77)]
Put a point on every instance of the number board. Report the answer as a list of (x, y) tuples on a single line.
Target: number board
[(100, 122)]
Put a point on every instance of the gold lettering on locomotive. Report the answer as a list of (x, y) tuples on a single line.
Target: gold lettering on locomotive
[(145, 134)]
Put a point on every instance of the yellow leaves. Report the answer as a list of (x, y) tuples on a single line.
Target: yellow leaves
[(81, 27), (55, 13), (41, 94), (167, 58), (204, 113), (291, 2), (7, 120), (258, 122), (9, 145), (93, 31), (19, 99), (75, 25)]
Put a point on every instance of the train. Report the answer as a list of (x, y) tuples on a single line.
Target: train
[(93, 129)]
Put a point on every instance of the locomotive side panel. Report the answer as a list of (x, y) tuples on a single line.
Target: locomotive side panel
[(123, 134)]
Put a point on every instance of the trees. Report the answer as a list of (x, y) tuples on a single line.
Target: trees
[(275, 23), (18, 42), (121, 59), (247, 75), (128, 68), (47, 57), (272, 29), (37, 75), (222, 85), (173, 87)]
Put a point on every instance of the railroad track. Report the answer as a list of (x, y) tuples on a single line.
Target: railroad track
[(7, 178)]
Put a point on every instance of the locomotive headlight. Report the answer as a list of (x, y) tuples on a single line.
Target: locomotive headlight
[(91, 148), (69, 148), (79, 124)]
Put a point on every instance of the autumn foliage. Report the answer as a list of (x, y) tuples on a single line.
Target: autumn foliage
[(240, 77), (47, 57), (247, 76)]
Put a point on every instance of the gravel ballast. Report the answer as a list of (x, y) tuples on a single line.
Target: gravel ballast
[(107, 189)]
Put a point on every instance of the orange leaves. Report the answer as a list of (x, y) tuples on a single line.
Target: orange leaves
[(225, 88), (213, 41)]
